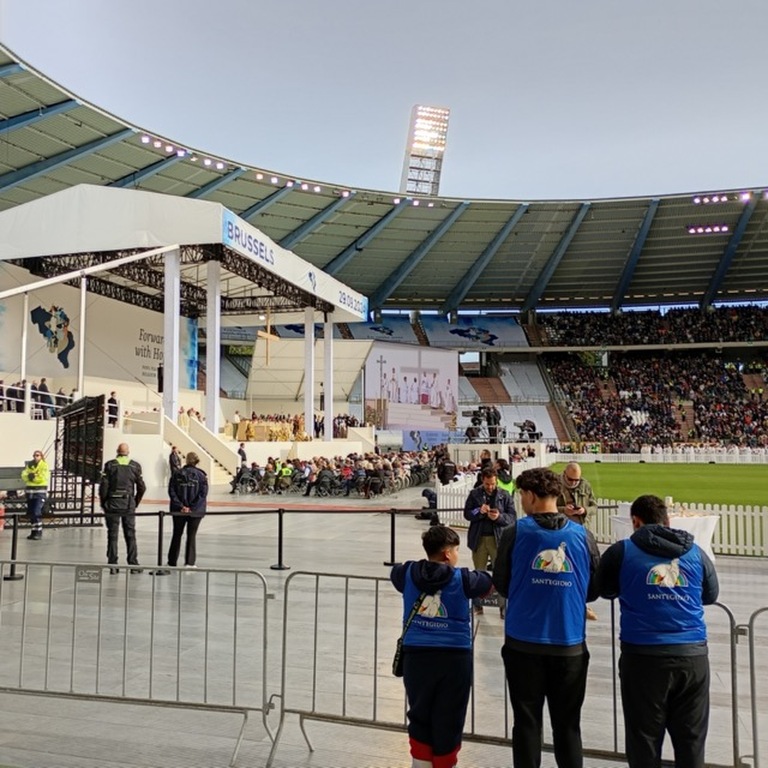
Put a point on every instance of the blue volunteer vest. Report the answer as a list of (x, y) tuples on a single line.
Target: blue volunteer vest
[(661, 598), (548, 586), (443, 618)]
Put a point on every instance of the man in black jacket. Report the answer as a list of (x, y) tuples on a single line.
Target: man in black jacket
[(120, 492), (188, 492), (489, 510), (663, 580)]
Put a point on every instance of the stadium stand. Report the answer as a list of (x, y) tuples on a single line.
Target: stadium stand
[(474, 332), (467, 393), (524, 382), (395, 328), (646, 399), (677, 326)]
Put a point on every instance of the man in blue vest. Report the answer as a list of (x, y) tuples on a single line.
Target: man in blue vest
[(663, 580), (545, 568)]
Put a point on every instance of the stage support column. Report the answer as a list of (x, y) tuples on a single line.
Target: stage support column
[(213, 345), (328, 377), (24, 336), (309, 370), (81, 339), (171, 334)]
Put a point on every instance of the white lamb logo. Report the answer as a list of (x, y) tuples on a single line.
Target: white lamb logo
[(552, 560), (665, 574), (431, 606)]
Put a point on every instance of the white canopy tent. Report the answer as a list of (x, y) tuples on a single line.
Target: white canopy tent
[(251, 271)]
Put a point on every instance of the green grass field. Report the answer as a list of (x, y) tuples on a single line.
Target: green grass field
[(692, 483)]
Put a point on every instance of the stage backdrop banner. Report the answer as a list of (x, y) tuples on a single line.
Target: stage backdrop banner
[(123, 342), (411, 387)]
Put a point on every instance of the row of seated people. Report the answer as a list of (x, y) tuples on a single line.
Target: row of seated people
[(677, 326), (368, 475), (688, 396)]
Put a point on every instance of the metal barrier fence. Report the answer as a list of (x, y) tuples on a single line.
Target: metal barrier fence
[(199, 639), (339, 634), (196, 639)]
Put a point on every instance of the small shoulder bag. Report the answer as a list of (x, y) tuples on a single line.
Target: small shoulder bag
[(397, 662)]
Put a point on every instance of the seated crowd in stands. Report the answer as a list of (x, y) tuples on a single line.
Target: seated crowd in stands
[(677, 326), (644, 399)]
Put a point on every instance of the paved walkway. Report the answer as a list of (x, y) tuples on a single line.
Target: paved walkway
[(325, 536)]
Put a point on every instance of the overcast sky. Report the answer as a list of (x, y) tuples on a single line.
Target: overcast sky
[(549, 98)]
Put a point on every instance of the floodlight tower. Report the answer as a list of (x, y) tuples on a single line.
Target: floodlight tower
[(423, 163)]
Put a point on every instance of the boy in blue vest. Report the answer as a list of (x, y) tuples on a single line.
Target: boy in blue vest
[(663, 581), (545, 567), (437, 646)]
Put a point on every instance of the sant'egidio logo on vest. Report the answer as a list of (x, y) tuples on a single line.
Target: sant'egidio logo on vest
[(666, 575), (552, 560)]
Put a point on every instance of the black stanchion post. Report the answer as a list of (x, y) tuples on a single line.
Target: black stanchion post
[(391, 561), (13, 576), (280, 565), (160, 570)]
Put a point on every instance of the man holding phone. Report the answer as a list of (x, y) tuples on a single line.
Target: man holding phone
[(490, 510)]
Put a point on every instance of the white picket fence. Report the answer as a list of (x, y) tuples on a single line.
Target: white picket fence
[(758, 456), (742, 529)]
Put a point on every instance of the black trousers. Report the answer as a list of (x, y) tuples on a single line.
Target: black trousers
[(661, 693), (180, 522), (562, 681), (437, 684), (128, 520)]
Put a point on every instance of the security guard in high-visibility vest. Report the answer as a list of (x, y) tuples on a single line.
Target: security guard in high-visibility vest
[(35, 476), (284, 475), (120, 492)]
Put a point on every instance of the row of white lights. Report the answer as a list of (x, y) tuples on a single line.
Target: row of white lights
[(707, 229), (220, 166), (744, 197), (398, 200)]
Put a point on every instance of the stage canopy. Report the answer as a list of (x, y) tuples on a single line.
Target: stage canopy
[(87, 225)]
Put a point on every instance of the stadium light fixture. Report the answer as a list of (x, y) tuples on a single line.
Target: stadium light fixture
[(145, 139), (207, 161), (708, 229), (708, 199), (316, 189), (274, 179), (259, 176)]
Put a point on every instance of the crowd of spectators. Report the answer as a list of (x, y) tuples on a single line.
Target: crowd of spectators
[(368, 474), (677, 326), (643, 399)]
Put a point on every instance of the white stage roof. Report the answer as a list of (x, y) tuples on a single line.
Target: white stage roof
[(90, 219)]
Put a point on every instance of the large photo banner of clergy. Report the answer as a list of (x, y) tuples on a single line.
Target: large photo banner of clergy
[(411, 387)]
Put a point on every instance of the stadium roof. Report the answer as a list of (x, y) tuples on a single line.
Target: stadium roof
[(423, 253)]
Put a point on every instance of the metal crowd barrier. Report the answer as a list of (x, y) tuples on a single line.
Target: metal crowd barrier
[(339, 634), (197, 640)]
